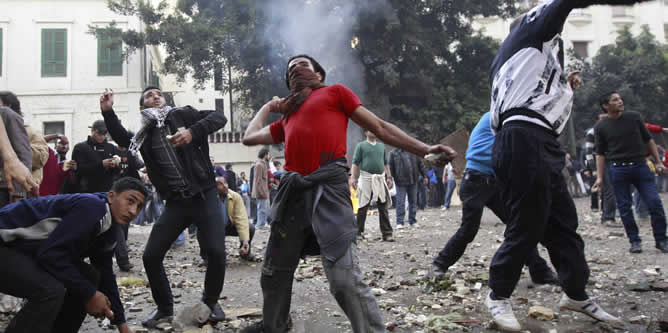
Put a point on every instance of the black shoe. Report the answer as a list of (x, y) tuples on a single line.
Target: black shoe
[(217, 313), (388, 238), (662, 246), (156, 317), (126, 267), (437, 272), (548, 278), (636, 247)]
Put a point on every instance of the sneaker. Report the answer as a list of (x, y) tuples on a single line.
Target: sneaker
[(437, 272), (444, 208), (662, 246), (217, 313), (588, 307), (636, 247), (415, 225), (157, 317), (548, 278), (400, 226), (502, 313)]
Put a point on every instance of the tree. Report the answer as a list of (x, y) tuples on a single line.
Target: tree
[(636, 67), (414, 62)]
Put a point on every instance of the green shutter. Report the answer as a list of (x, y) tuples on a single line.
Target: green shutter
[(54, 52), (109, 54)]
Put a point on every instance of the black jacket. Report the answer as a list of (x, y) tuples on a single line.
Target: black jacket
[(92, 176), (406, 168), (193, 157), (320, 200)]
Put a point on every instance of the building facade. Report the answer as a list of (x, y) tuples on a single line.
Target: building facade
[(588, 29)]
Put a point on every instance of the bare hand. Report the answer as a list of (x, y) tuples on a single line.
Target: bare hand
[(353, 183), (107, 100), (181, 138), (16, 171), (109, 163), (574, 80), (99, 306), (597, 185), (275, 104), (660, 169), (244, 250), (72, 164), (440, 155), (390, 183)]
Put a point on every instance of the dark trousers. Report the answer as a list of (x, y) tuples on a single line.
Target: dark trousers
[(204, 211), (383, 218), (528, 160), (49, 308), (478, 191), (642, 178), (452, 184), (609, 209), (406, 191), (121, 250), (287, 243), (422, 196)]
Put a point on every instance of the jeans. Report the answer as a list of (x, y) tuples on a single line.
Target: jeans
[(642, 178), (641, 208), (383, 218), (49, 307), (247, 204), (262, 212), (422, 196), (203, 211), (287, 243), (609, 209), (478, 191), (403, 191), (452, 184), (121, 250), (527, 161)]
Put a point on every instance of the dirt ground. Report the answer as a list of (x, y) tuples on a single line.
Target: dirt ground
[(397, 269)]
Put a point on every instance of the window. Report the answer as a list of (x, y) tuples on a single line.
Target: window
[(218, 76), (54, 52), (109, 54), (621, 11), (581, 49), (54, 127)]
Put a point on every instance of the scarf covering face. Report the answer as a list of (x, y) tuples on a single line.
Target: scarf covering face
[(153, 117), (302, 82)]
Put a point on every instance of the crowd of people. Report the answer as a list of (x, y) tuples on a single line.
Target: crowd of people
[(55, 212)]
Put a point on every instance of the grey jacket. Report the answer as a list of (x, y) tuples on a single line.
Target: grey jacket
[(18, 136), (320, 200)]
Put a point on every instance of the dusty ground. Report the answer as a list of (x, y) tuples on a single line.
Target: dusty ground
[(398, 268)]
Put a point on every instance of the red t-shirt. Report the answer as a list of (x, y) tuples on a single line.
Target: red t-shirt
[(316, 133)]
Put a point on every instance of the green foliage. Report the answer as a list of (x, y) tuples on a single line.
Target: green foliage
[(636, 67), (420, 63)]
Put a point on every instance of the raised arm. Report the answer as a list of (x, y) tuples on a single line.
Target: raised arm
[(257, 133), (118, 133)]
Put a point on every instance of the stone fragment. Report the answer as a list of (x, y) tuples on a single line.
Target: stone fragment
[(541, 313)]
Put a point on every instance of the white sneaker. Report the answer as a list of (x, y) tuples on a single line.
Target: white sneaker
[(502, 313), (588, 307), (400, 226), (415, 225)]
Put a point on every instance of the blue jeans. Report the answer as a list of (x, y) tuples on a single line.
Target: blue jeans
[(402, 192), (262, 211), (452, 184), (642, 178), (641, 207)]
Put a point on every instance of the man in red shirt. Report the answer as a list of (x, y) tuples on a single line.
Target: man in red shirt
[(312, 211)]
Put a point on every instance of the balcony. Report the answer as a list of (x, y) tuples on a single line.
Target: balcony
[(226, 137), (579, 17)]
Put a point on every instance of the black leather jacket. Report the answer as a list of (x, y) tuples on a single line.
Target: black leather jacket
[(194, 157)]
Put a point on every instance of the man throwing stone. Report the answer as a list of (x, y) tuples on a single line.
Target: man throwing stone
[(312, 213), (174, 145)]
